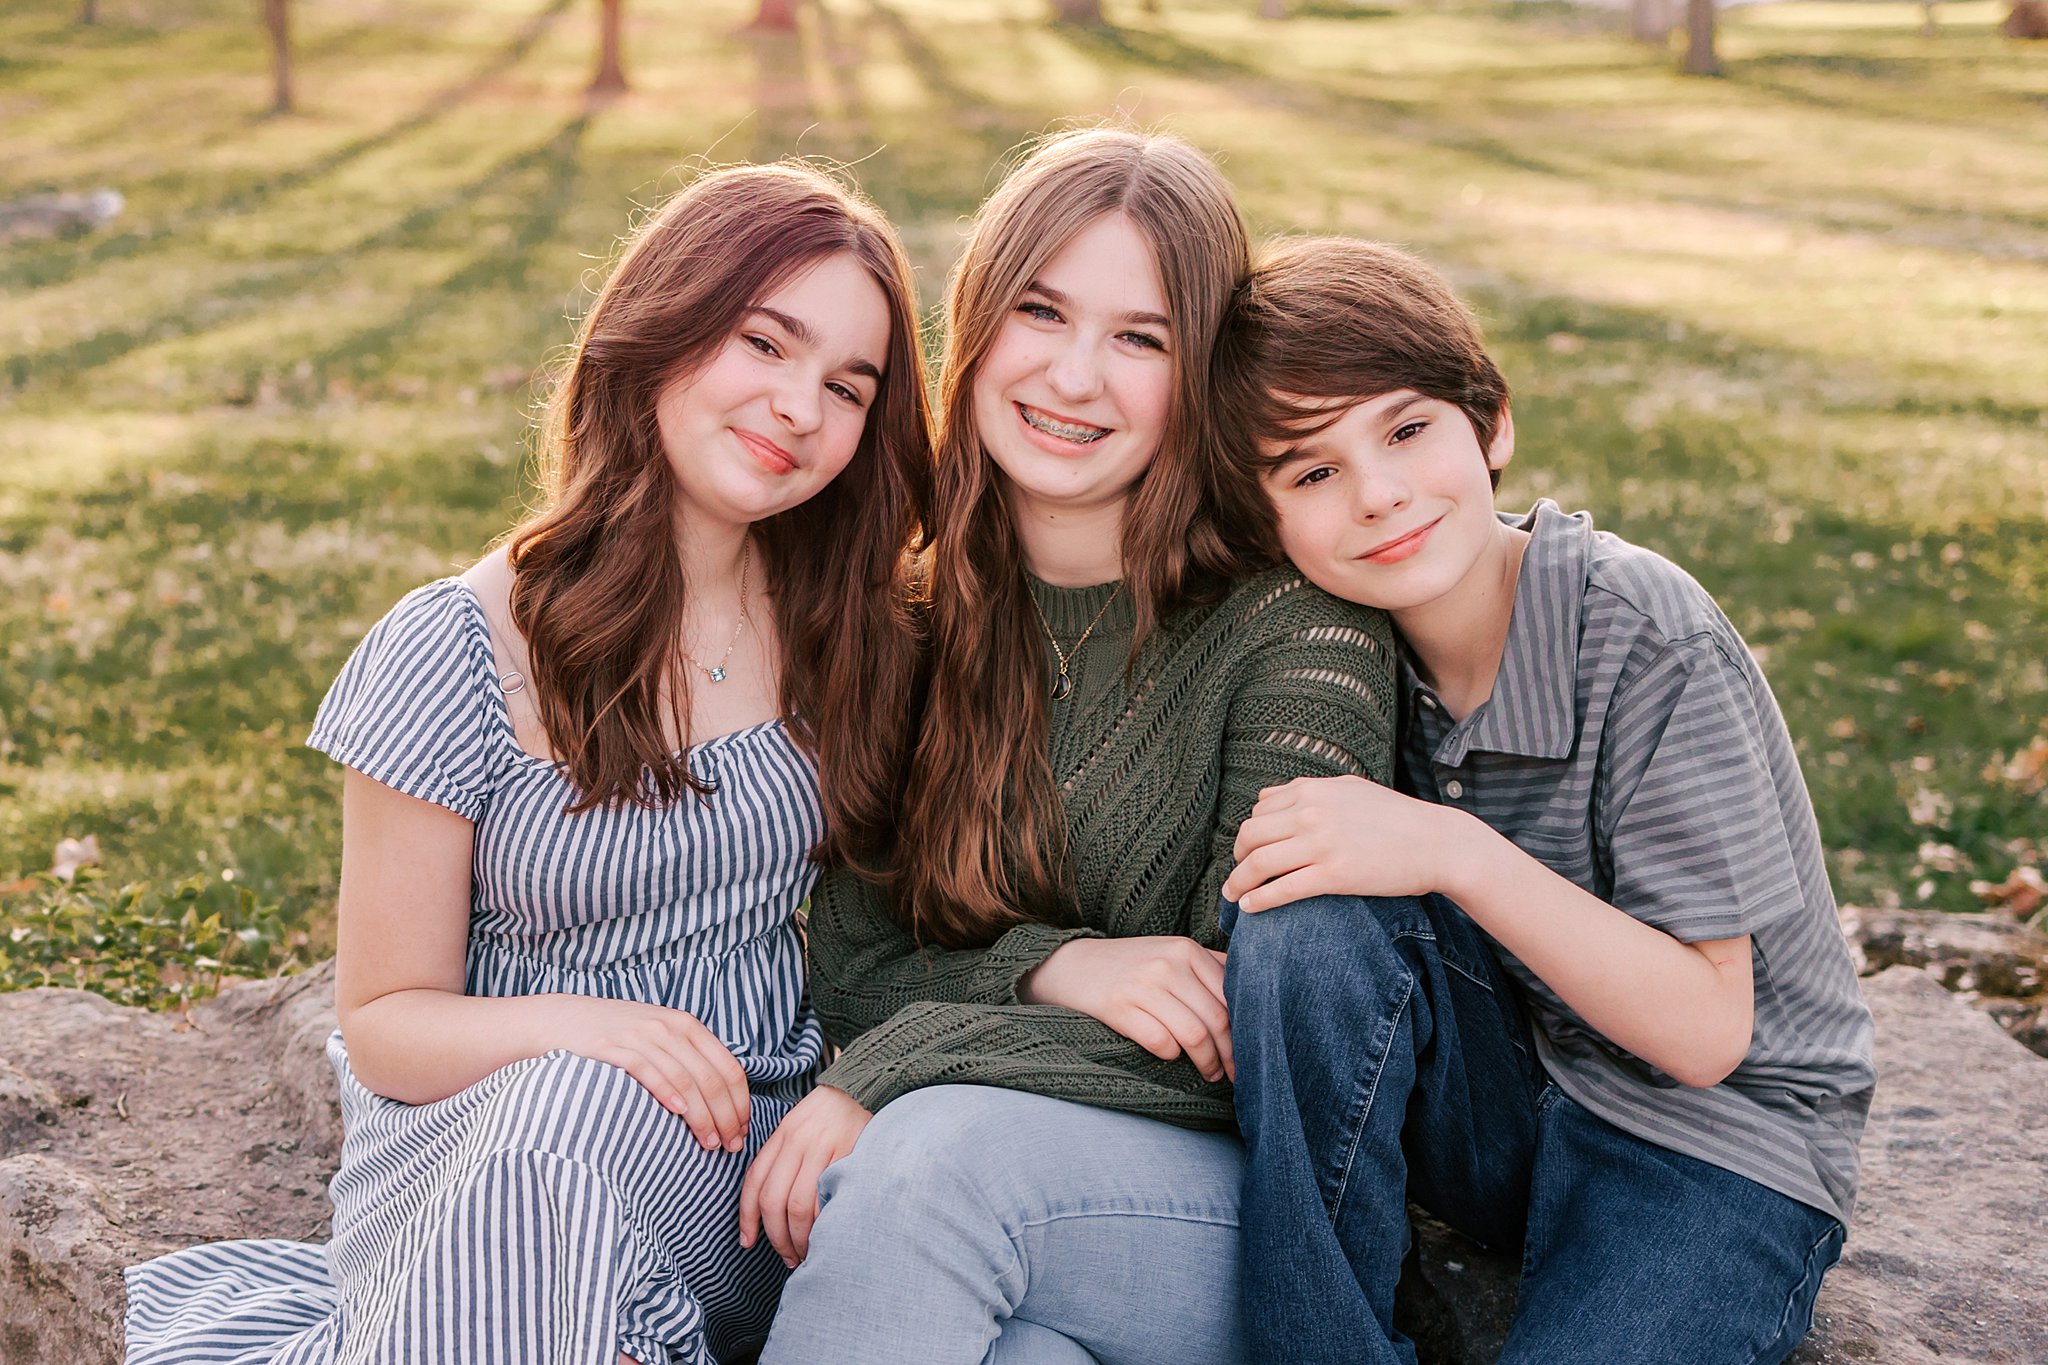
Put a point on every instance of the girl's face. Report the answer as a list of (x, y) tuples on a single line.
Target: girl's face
[(1391, 505), (1072, 399), (778, 409)]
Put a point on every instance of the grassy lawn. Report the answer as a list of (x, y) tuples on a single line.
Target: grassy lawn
[(1789, 327)]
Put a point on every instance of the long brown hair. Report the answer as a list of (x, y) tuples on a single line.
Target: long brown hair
[(598, 586), (983, 844)]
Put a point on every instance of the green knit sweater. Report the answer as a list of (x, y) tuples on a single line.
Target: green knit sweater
[(1155, 770)]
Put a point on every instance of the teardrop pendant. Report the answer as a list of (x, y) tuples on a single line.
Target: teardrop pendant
[(1062, 686), (716, 674)]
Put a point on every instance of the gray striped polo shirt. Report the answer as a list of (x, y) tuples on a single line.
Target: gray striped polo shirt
[(1632, 746)]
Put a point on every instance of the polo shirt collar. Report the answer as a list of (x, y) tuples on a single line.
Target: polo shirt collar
[(1533, 711)]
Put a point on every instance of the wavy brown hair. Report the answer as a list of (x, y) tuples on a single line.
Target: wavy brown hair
[(983, 843), (598, 587)]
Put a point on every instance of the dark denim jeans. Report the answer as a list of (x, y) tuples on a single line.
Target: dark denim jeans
[(1382, 1056)]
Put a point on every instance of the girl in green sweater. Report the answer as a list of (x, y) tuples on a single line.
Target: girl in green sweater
[(1029, 1130)]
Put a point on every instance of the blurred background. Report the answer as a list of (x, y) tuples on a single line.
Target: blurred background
[(280, 283)]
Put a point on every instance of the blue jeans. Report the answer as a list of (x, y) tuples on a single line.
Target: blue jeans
[(977, 1226), (1382, 1056)]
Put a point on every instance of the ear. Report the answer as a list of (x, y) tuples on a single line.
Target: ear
[(1503, 448)]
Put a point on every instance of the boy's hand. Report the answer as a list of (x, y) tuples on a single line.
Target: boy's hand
[(1320, 836)]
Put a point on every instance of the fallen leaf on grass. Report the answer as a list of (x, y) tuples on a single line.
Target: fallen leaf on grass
[(1928, 807), (2027, 772), (73, 854), (2019, 895)]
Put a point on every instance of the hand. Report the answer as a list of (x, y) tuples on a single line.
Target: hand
[(1164, 993), (678, 1060), (780, 1194), (1319, 836)]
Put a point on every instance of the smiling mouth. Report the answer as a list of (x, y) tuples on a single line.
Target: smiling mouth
[(1402, 546), (1080, 433), (769, 455)]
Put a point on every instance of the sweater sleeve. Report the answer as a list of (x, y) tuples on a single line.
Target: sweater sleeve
[(910, 1016), (1317, 701)]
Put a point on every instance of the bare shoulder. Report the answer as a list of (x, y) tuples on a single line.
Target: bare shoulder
[(490, 578)]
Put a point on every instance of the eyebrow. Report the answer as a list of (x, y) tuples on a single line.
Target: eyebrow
[(1055, 296), (1389, 413), (808, 335)]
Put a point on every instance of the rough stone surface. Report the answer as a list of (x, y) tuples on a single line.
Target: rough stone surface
[(1946, 1260), (1998, 963), (123, 1134)]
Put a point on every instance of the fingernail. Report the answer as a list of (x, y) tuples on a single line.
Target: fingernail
[(734, 1144)]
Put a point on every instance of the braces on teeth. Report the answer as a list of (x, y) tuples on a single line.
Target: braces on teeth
[(1066, 431)]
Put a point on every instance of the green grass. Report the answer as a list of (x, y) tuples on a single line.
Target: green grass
[(1789, 327)]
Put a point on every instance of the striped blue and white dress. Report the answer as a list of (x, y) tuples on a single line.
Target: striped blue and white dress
[(553, 1211)]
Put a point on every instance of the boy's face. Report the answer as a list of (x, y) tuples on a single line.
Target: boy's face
[(1392, 505)]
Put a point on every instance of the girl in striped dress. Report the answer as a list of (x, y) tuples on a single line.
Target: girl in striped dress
[(589, 783)]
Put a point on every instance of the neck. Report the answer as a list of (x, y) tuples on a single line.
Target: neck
[(1458, 639), (710, 556), (1070, 547)]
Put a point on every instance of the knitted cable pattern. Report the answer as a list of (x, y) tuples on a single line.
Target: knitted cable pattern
[(1155, 769)]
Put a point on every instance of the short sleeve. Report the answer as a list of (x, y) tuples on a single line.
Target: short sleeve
[(1695, 831), (409, 707)]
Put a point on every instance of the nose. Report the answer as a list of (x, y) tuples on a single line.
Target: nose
[(797, 404), (1377, 492), (1075, 374)]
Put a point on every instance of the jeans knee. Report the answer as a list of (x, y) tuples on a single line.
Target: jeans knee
[(1315, 953), (926, 1146)]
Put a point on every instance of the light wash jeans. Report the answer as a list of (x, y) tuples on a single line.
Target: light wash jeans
[(977, 1226)]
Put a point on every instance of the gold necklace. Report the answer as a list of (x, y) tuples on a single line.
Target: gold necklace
[(1062, 683), (716, 672)]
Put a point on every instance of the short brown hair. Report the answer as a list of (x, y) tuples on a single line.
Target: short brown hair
[(1333, 318)]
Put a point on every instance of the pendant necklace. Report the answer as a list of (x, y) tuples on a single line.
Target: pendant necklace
[(1063, 682), (716, 672)]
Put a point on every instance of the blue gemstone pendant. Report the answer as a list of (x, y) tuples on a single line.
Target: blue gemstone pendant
[(718, 675)]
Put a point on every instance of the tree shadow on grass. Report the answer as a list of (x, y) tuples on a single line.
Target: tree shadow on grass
[(262, 288), (1415, 121), (559, 170), (55, 264)]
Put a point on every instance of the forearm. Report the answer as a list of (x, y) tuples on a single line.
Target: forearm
[(418, 1046), (1041, 1049), (1686, 1009), (864, 967)]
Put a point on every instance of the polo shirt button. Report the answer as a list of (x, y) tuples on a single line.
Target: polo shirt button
[(1454, 789), (1428, 702)]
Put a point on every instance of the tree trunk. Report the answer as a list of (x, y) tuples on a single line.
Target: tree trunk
[(1928, 28), (277, 18), (775, 16), (1650, 21), (611, 73), (1077, 11), (89, 12), (1699, 39)]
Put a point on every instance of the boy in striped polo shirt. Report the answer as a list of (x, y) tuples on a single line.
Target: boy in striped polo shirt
[(1578, 986)]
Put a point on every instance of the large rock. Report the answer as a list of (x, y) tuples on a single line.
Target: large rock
[(1946, 1260), (123, 1134)]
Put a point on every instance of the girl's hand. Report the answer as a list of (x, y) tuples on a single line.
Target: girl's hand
[(780, 1195), (1164, 993), (1321, 836), (678, 1060)]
